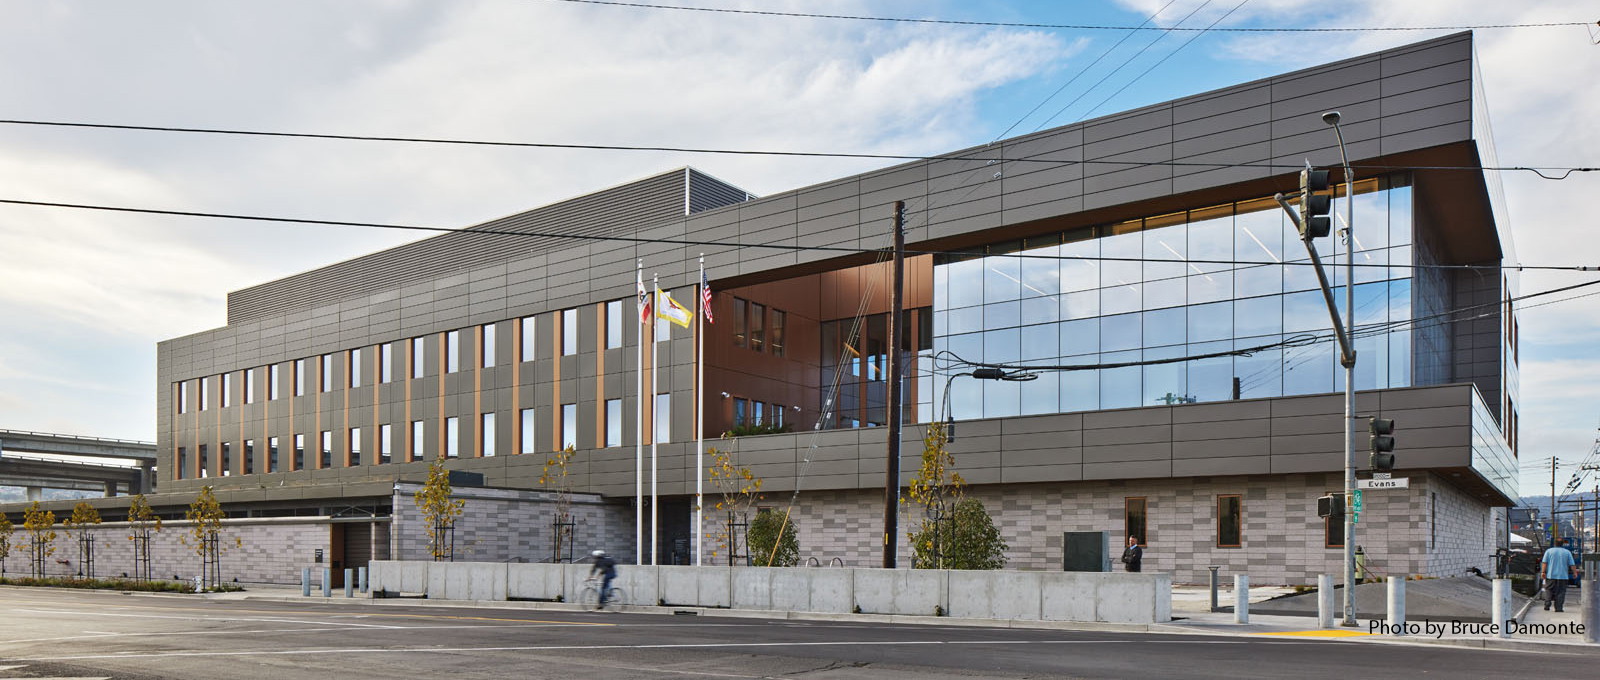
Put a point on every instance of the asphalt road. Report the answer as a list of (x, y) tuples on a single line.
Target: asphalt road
[(70, 634)]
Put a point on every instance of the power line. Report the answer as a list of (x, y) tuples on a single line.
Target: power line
[(726, 244), (1163, 60), (1565, 170), (1083, 27)]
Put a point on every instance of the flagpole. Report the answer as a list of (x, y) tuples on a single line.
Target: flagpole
[(700, 417), (638, 436), (655, 540)]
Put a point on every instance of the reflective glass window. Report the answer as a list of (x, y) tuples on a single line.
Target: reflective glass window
[(1120, 332), (1165, 383), (1120, 387), (1164, 327), (1211, 322), (1002, 279), (1041, 274), (1040, 342), (1080, 337)]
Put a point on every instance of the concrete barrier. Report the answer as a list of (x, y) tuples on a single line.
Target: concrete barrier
[(1003, 595), (1325, 601), (1397, 604), (1500, 606), (1241, 598)]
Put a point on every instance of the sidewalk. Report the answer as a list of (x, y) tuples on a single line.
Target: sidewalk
[(1190, 618)]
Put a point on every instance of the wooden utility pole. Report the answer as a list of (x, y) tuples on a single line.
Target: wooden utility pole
[(891, 479)]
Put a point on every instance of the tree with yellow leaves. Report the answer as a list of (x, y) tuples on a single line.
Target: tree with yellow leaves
[(740, 489), (6, 529), (81, 525), (955, 532), (142, 521), (439, 511), (41, 527), (556, 477), (205, 536)]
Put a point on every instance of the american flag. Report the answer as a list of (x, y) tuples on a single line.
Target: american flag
[(705, 296), (644, 301)]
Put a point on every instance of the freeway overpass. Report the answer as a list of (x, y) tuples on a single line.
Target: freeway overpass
[(42, 460)]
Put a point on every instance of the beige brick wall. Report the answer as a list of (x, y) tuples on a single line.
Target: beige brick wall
[(272, 551)]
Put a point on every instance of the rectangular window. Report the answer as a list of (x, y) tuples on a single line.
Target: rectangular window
[(327, 373), (385, 438), (740, 407), (249, 456), (528, 430), (183, 398), (299, 377), (663, 418), (613, 422), (452, 351), (613, 324), (418, 367), (569, 332), (386, 362), (569, 426), (205, 393), (183, 462), (528, 337), (325, 458), (775, 333), (486, 434), (355, 446), (272, 381), (272, 454), (227, 390), (249, 386), (355, 367), (227, 459), (417, 440), (756, 415), (452, 437), (758, 320), (776, 415), (1230, 521), (1333, 527), (1133, 519), (739, 315), (205, 465), (487, 335), (299, 453)]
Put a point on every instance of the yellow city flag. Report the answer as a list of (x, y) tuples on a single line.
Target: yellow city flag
[(670, 310)]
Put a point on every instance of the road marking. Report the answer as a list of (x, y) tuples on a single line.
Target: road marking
[(342, 614), (7, 668), (272, 630), (207, 618), (704, 645), (1318, 633)]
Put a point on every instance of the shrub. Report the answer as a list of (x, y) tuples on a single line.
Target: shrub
[(115, 584), (969, 540), (773, 528)]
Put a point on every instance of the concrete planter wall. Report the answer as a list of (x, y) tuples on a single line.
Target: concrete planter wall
[(1002, 595)]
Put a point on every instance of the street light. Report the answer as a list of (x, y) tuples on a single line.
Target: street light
[(1349, 361)]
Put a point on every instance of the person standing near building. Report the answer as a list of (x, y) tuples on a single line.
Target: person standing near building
[(1557, 567), (1132, 555)]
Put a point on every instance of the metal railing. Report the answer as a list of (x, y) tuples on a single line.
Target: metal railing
[(78, 437)]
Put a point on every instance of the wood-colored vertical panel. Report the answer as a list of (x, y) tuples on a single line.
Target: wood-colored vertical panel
[(443, 347), (377, 395), (349, 370), (600, 376), (555, 385), (411, 360)]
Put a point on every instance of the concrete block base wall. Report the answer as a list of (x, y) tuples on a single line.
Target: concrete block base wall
[(272, 550), (1003, 595)]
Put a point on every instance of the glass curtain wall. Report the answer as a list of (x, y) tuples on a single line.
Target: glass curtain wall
[(1165, 287)]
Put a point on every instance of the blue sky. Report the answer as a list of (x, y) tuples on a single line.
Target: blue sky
[(87, 296)]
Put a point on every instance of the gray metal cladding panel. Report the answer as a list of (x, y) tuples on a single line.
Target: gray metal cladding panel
[(709, 193)]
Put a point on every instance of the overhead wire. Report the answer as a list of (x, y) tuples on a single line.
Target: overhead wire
[(1163, 60), (1081, 27), (1566, 170), (848, 250)]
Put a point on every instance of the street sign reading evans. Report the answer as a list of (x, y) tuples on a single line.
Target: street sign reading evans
[(1401, 483)]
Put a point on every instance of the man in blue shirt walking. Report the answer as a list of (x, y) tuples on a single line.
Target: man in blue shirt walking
[(1558, 567)]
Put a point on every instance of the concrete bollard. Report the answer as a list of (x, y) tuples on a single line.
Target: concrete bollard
[(305, 582), (1500, 606), (327, 582), (1241, 598), (363, 572), (349, 583), (1327, 601), (1589, 600), (1397, 604), (1214, 584)]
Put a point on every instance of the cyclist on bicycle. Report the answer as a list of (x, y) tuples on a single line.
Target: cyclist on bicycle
[(606, 568)]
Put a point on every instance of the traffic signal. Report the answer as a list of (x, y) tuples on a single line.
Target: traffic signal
[(1382, 443), (1315, 207), (1331, 505)]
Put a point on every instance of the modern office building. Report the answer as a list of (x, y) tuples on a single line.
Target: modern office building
[(1096, 247)]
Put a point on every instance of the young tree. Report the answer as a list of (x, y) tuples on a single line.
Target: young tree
[(973, 538), (740, 489), (934, 492), (205, 536), (142, 521), (81, 526), (555, 478), (40, 525), (772, 540), (6, 528), (439, 511)]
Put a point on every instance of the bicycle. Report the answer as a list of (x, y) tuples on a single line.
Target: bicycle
[(589, 599)]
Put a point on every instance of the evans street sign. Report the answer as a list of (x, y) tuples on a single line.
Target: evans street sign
[(1401, 483)]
